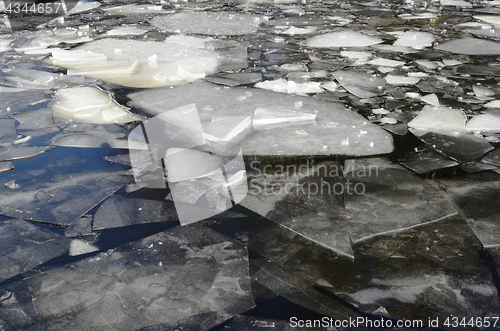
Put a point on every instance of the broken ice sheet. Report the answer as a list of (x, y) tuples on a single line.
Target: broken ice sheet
[(235, 79), (80, 247), (126, 30), (80, 227), (470, 46), (25, 245), (439, 119), (359, 136), (384, 197), (135, 9), (19, 153), (424, 160), (89, 138), (307, 199), (487, 122), (215, 23), (6, 166), (89, 105), (362, 85), (177, 60), (414, 39), (189, 277), (290, 87), (462, 148), (346, 38), (67, 194)]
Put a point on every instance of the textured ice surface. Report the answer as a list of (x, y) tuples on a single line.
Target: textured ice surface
[(346, 38), (177, 60), (401, 80), (414, 39), (423, 160), (6, 166), (25, 246), (79, 247), (488, 122), (336, 131), (222, 23), (439, 119), (290, 87), (126, 31), (360, 84), (188, 277), (135, 9), (89, 105), (470, 46)]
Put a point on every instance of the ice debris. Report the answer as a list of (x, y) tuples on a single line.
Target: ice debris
[(290, 87), (470, 46), (439, 119), (79, 247), (177, 60), (346, 38), (89, 105), (215, 23)]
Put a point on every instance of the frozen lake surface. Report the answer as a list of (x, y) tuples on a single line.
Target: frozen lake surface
[(239, 165)]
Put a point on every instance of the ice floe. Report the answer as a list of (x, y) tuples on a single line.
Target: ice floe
[(290, 87), (439, 119), (346, 38), (415, 39), (79, 247), (470, 46), (218, 23), (89, 105)]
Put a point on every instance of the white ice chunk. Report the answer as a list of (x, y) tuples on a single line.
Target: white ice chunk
[(184, 164), (401, 80), (415, 39), (126, 31), (439, 119), (482, 91), (470, 46), (345, 38), (493, 104), (135, 9), (288, 86), (388, 120), (84, 5), (489, 122), (431, 99), (178, 60), (386, 62), (456, 3), (293, 30), (89, 105), (330, 86), (491, 19), (428, 64), (79, 247), (215, 23), (419, 16), (228, 128), (380, 111), (265, 119)]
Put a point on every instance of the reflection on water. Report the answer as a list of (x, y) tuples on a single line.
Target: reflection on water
[(369, 133)]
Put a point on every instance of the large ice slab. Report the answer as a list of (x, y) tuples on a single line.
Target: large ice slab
[(470, 46), (187, 277), (335, 131), (362, 85), (177, 60), (25, 246), (439, 119), (218, 23), (346, 38), (385, 197)]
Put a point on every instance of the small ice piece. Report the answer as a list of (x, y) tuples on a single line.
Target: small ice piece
[(360, 84), (431, 99), (78, 140), (135, 9), (482, 91), (456, 3), (209, 23), (470, 46), (489, 122), (451, 62), (346, 38), (184, 164), (266, 119), (293, 30), (330, 86), (401, 80), (126, 31), (292, 67), (89, 105), (19, 153), (419, 16), (224, 129), (439, 119), (288, 86), (428, 64), (11, 185), (493, 104), (42, 195), (388, 120), (6, 166), (360, 57), (79, 247), (415, 39), (491, 19), (379, 61), (380, 111)]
